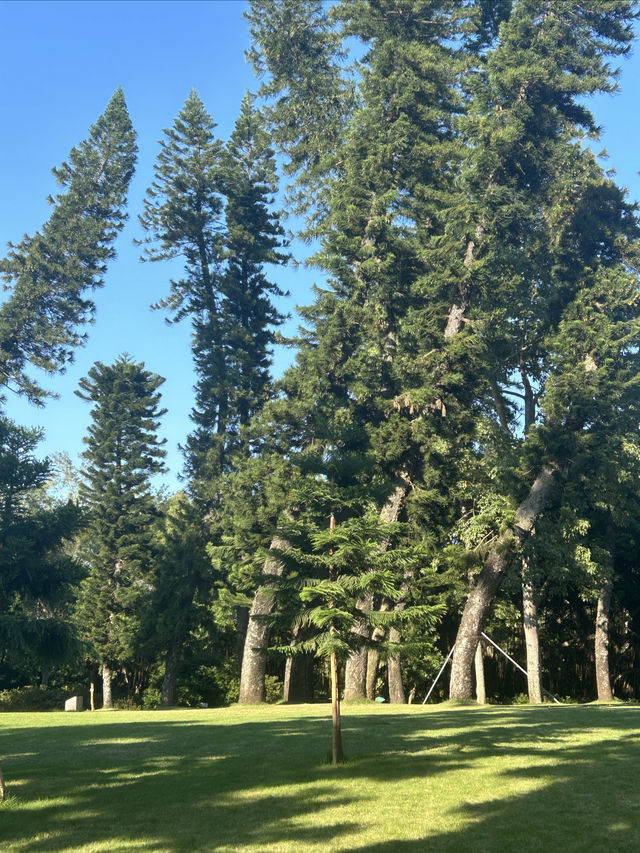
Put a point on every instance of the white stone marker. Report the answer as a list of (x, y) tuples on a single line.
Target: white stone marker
[(73, 704)]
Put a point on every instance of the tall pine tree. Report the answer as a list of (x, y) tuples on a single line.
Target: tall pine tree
[(123, 453)]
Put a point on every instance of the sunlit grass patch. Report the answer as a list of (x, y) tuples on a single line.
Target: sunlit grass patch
[(256, 780)]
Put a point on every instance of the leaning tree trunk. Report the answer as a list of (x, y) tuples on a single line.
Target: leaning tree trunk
[(488, 582), (531, 635), (254, 658), (107, 699)]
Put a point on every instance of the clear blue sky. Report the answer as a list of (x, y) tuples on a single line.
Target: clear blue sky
[(60, 62)]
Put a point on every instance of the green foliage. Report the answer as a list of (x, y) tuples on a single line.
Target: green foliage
[(36, 575), (33, 699)]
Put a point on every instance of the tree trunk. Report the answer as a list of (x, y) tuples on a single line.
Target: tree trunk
[(254, 659), (107, 700), (170, 680), (242, 623), (373, 661), (394, 672), (481, 691), (373, 657), (603, 678), (355, 674), (488, 582), (355, 671), (3, 787), (336, 732), (531, 635), (298, 679), (298, 672)]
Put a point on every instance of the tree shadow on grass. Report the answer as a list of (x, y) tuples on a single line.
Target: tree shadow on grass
[(196, 784)]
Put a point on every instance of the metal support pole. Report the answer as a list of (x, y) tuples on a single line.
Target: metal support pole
[(517, 665), (439, 674)]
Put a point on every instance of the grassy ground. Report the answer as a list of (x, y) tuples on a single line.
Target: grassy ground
[(417, 779)]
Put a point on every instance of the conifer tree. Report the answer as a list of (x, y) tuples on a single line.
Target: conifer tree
[(533, 241), (225, 293), (123, 453), (51, 274), (363, 346)]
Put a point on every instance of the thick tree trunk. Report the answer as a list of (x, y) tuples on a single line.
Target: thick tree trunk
[(488, 582), (107, 699), (298, 679), (355, 671), (298, 672), (373, 657), (170, 680), (481, 690), (603, 678), (531, 636), (373, 661), (254, 659), (394, 673)]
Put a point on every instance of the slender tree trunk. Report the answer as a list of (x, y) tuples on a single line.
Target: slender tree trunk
[(531, 635), (107, 700), (336, 737), (3, 787), (242, 623), (355, 674), (481, 690), (603, 676), (254, 659), (488, 582), (603, 679)]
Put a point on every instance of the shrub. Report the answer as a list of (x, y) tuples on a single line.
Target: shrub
[(274, 689), (33, 698)]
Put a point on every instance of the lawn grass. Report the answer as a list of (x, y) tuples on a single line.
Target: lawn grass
[(257, 779)]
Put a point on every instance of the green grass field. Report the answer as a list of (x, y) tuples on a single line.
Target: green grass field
[(257, 779)]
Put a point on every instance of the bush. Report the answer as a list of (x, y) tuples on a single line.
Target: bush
[(152, 698), (33, 699), (274, 689)]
